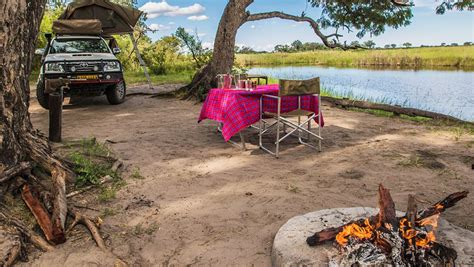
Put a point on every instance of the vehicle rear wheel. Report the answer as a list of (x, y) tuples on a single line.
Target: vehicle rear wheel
[(43, 98), (116, 93)]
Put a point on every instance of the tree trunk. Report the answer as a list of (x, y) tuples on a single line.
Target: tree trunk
[(223, 54), (19, 24)]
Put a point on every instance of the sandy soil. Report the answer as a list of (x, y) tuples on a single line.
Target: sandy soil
[(205, 202)]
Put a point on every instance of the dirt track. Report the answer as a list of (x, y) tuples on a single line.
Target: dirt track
[(205, 202)]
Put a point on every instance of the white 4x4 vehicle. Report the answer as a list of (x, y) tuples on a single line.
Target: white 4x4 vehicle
[(86, 62)]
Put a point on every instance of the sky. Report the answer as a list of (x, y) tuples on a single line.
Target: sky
[(202, 17)]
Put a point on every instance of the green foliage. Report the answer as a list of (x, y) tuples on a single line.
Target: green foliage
[(136, 174), (88, 168), (163, 55), (454, 4), (364, 16), (200, 55), (369, 44), (460, 57)]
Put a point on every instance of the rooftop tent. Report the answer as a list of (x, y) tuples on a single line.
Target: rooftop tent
[(115, 18)]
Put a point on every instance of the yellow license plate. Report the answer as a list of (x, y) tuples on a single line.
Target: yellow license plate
[(87, 77)]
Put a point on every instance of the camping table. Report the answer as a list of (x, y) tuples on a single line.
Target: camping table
[(236, 110)]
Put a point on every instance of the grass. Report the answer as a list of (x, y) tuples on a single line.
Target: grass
[(461, 57), (136, 174)]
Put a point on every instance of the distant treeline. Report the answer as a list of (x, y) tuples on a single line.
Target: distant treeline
[(299, 46), (426, 57)]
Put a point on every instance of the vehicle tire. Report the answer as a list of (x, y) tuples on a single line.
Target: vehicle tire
[(116, 93), (43, 98)]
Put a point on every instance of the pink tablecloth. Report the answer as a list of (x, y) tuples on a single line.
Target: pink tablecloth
[(238, 109)]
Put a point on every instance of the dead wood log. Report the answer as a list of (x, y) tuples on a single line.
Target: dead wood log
[(21, 168), (10, 245), (444, 254), (387, 213), (53, 234), (395, 109), (410, 216), (442, 205), (58, 176), (34, 238)]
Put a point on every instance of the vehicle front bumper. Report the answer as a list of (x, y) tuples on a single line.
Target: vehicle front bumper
[(53, 82)]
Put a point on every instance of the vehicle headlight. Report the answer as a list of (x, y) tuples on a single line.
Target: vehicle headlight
[(112, 66), (53, 67)]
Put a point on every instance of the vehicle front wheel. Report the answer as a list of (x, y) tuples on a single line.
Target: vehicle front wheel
[(116, 93), (43, 98)]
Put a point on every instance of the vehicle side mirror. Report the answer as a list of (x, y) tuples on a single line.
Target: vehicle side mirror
[(116, 50), (39, 51)]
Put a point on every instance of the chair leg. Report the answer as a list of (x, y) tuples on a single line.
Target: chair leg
[(277, 143)]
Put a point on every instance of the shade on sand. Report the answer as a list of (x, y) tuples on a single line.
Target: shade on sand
[(115, 18)]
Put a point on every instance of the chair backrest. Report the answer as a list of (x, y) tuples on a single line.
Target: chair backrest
[(299, 87)]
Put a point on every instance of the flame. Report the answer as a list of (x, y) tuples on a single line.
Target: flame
[(426, 241), (356, 231), (430, 223)]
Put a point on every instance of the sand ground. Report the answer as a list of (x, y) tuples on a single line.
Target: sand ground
[(205, 202)]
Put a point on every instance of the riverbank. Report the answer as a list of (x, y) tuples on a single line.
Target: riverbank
[(423, 57)]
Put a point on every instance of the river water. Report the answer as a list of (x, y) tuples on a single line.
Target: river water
[(449, 92)]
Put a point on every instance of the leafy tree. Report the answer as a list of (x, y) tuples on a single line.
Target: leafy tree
[(297, 45), (393, 45), (355, 44), (282, 48), (387, 46), (200, 55), (407, 44), (369, 44), (162, 54), (467, 43), (443, 44), (454, 44)]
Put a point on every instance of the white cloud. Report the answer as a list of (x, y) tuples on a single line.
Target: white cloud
[(156, 9), (208, 45), (171, 23), (198, 18), (202, 34), (159, 27)]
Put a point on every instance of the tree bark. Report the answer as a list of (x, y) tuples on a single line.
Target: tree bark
[(19, 25)]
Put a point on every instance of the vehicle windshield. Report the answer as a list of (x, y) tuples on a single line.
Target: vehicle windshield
[(79, 46)]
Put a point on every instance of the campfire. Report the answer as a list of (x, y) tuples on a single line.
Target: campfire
[(408, 240)]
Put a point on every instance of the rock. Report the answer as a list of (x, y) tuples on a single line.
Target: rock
[(290, 248), (9, 242)]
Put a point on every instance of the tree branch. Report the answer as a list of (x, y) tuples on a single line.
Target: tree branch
[(325, 38)]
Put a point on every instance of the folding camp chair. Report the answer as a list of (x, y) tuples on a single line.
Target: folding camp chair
[(298, 88)]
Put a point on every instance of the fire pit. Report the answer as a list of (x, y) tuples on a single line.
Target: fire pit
[(366, 236)]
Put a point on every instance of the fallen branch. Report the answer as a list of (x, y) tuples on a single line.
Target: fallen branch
[(54, 235), (395, 109), (21, 168), (59, 215), (35, 239), (81, 219), (104, 180)]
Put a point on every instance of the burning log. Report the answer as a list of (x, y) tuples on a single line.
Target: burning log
[(385, 238)]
